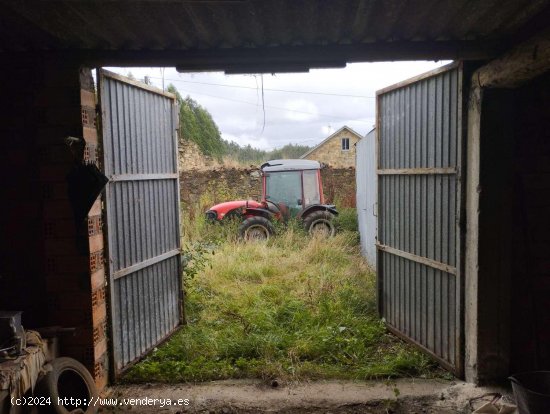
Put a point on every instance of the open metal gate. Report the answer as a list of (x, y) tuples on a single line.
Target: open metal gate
[(420, 153), (139, 143)]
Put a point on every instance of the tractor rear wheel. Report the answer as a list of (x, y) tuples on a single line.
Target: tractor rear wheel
[(320, 223), (256, 228)]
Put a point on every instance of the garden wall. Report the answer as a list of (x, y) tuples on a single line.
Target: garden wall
[(339, 186), (202, 188)]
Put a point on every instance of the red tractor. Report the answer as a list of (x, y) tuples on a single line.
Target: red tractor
[(290, 189)]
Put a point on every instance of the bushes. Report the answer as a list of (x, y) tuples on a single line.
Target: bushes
[(347, 220)]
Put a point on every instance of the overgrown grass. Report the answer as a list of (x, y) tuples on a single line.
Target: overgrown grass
[(194, 227), (293, 307)]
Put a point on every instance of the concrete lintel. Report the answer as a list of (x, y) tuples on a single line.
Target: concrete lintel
[(517, 66)]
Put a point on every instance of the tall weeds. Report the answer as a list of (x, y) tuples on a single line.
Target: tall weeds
[(292, 307)]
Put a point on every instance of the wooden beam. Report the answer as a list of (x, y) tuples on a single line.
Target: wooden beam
[(418, 78), (521, 64), (335, 55), (418, 259), (417, 171), (142, 177), (136, 83), (146, 263), (302, 56)]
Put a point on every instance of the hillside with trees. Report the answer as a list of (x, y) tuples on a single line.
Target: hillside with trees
[(251, 155), (197, 125)]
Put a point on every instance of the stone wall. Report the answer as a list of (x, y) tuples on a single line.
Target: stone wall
[(339, 186), (204, 188), (191, 157), (201, 189)]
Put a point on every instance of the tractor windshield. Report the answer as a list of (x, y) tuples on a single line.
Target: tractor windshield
[(285, 187)]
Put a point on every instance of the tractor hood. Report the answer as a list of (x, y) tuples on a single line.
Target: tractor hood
[(223, 209)]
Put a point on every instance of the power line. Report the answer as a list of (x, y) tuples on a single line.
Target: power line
[(263, 103), (268, 89), (279, 108)]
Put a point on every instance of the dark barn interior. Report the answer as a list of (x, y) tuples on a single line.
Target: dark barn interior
[(52, 267), (530, 299), (513, 247)]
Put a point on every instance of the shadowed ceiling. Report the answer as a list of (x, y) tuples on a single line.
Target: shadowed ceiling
[(204, 34)]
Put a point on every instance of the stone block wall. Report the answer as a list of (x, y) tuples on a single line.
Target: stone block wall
[(339, 186), (203, 188), (191, 157)]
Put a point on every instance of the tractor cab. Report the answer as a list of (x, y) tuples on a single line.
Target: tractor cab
[(292, 185)]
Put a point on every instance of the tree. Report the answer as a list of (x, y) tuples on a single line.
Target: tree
[(289, 151), (197, 125)]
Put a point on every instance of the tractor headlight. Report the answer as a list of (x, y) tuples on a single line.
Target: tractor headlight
[(211, 215)]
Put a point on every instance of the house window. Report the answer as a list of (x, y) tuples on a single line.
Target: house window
[(345, 144)]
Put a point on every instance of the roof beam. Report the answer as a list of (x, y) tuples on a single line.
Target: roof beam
[(301, 57), (517, 66)]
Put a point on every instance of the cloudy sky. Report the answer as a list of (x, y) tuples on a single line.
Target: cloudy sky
[(299, 108)]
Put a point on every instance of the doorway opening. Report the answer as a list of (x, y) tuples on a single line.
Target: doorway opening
[(295, 305)]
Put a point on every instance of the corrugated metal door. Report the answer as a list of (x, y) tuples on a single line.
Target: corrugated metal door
[(419, 200), (142, 207)]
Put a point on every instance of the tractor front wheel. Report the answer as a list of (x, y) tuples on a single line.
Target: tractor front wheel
[(320, 223), (256, 228)]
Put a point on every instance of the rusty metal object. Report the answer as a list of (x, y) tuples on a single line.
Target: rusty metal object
[(12, 334), (19, 375)]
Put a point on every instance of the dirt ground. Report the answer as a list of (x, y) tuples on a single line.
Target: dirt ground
[(411, 396)]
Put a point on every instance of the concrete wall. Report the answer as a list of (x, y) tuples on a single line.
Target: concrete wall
[(331, 153)]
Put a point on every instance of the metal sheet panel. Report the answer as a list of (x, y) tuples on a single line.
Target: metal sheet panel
[(142, 207), (366, 181), (419, 167)]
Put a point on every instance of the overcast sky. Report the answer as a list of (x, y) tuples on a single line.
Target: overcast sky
[(300, 108)]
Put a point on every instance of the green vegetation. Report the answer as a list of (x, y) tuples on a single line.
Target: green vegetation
[(197, 125), (346, 221), (293, 307), (250, 155)]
